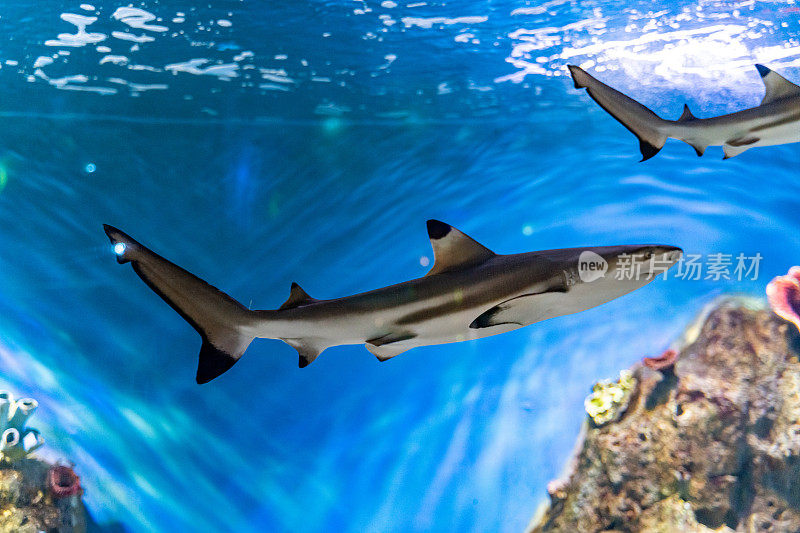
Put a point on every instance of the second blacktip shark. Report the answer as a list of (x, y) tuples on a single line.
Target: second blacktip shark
[(775, 121), (470, 292)]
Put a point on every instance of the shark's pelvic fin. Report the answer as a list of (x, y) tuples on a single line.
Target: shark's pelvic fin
[(641, 121), (297, 297), (732, 150), (777, 86), (388, 346), (453, 250), (386, 352), (218, 318)]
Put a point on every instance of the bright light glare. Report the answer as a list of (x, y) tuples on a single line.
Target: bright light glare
[(119, 248)]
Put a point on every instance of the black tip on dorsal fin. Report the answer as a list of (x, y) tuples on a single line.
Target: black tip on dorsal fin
[(762, 70), (437, 229), (297, 297), (686, 115)]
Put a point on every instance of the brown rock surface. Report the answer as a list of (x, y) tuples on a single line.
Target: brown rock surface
[(712, 444)]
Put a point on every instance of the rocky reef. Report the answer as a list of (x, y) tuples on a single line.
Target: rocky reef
[(709, 439)]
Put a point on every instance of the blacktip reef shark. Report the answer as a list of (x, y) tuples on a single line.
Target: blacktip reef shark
[(775, 121), (470, 292)]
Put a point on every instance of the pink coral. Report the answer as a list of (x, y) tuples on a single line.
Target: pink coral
[(783, 294), (663, 361), (63, 481)]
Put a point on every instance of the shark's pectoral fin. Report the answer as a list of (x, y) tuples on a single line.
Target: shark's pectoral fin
[(387, 346), (776, 85), (306, 349), (522, 310)]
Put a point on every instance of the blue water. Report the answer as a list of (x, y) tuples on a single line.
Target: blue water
[(309, 142)]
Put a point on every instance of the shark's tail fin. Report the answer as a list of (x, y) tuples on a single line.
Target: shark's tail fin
[(641, 121), (219, 319)]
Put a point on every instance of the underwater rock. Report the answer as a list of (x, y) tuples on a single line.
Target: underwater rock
[(28, 503), (709, 444)]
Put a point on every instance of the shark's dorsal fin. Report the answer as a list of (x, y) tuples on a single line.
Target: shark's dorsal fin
[(777, 86), (686, 115), (297, 297), (453, 249)]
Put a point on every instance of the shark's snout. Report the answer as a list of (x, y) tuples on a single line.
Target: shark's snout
[(655, 259), (665, 253)]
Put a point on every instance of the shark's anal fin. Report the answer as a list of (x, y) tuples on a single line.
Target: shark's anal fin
[(306, 349), (776, 85), (699, 149), (388, 346), (297, 297), (521, 310), (453, 250)]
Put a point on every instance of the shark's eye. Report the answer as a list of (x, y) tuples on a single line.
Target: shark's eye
[(119, 248)]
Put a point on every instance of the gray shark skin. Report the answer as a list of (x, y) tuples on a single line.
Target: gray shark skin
[(775, 121), (469, 293)]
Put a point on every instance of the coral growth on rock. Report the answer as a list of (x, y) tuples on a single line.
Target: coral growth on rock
[(35, 496), (608, 400), (712, 444), (662, 362), (783, 294), (27, 504), (16, 439), (63, 482)]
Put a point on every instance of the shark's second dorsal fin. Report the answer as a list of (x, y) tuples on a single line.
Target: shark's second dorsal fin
[(297, 297), (686, 115), (453, 249), (777, 86)]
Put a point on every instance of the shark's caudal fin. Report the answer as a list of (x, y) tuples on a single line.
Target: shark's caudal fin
[(641, 121), (218, 318)]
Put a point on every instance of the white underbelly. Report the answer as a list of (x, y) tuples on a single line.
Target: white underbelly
[(783, 134)]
